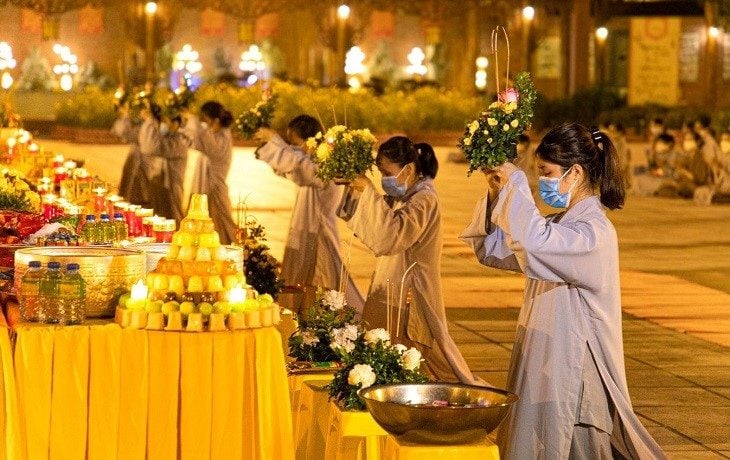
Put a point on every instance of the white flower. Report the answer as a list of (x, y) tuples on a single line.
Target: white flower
[(309, 338), (335, 300), (401, 348), (411, 359), (361, 374), (373, 336), (343, 338)]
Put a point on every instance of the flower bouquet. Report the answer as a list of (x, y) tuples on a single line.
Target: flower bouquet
[(16, 193), (491, 139), (312, 339), (258, 116), (368, 358), (342, 154), (262, 270)]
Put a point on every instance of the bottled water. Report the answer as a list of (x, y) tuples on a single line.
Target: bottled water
[(106, 230), (29, 291), (89, 231), (120, 227), (72, 296), (48, 301)]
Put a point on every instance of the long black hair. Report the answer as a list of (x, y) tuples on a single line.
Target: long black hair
[(215, 111), (571, 143), (401, 151)]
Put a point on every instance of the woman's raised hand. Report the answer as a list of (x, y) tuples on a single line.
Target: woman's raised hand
[(360, 182)]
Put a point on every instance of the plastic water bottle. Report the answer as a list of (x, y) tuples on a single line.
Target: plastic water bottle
[(120, 227), (48, 301), (29, 291), (89, 232), (106, 230), (72, 296)]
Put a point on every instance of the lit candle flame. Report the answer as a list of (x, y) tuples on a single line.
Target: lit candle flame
[(139, 291)]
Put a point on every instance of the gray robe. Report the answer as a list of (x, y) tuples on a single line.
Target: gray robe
[(218, 147), (401, 232), (142, 163), (312, 253), (572, 307), (174, 153)]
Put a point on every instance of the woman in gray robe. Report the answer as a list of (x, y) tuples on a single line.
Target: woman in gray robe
[(215, 142), (567, 362), (141, 164), (312, 253), (174, 146), (402, 229)]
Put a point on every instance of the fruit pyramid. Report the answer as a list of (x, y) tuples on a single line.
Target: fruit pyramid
[(195, 268)]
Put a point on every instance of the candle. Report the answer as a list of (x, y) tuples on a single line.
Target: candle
[(138, 296), (70, 165), (237, 298), (24, 137), (33, 148), (11, 143), (58, 161)]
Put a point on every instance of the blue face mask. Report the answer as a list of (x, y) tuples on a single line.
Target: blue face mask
[(391, 186), (550, 191)]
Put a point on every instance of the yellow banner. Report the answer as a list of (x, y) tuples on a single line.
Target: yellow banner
[(654, 61)]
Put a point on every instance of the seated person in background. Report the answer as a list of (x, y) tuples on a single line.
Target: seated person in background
[(663, 156), (692, 170), (710, 148), (618, 134), (656, 128), (722, 167)]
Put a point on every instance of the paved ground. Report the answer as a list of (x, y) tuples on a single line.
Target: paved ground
[(675, 260)]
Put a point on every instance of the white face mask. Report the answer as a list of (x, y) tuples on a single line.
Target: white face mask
[(656, 130), (725, 147), (204, 125)]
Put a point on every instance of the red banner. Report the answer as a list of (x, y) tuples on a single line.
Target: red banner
[(91, 20), (382, 24), (212, 23), (30, 22), (267, 26)]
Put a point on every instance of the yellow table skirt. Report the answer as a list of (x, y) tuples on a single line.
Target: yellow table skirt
[(396, 450), (100, 391)]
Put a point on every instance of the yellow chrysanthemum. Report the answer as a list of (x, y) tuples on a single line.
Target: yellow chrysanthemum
[(467, 140), (21, 185), (514, 123), (491, 122), (490, 140), (495, 105), (311, 143), (323, 151), (505, 127), (509, 107), (473, 126)]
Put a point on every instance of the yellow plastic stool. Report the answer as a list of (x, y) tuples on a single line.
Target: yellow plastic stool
[(349, 431), (397, 450)]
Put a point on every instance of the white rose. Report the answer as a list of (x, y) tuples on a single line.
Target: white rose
[(335, 300), (411, 359), (310, 338), (373, 336), (361, 374), (401, 348)]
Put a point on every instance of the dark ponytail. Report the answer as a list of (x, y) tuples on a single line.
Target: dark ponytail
[(215, 111), (572, 143), (426, 162)]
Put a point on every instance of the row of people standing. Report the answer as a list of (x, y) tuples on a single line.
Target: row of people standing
[(154, 171), (567, 363)]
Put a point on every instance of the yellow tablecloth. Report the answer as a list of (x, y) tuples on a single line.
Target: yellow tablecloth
[(100, 391), (10, 442), (311, 419)]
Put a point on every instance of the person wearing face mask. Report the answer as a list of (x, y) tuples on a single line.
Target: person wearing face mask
[(567, 363), (692, 170), (403, 229), (215, 142), (312, 254)]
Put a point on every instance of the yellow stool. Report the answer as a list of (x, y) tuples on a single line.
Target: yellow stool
[(349, 432), (397, 450), (310, 420)]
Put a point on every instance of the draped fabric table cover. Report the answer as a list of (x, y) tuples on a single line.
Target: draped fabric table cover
[(396, 450), (10, 441), (101, 391)]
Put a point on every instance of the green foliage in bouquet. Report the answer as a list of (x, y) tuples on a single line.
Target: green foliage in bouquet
[(262, 270), (258, 116), (342, 153), (368, 358), (491, 139), (311, 341), (17, 194)]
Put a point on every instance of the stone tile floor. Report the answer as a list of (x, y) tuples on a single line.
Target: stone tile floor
[(679, 384)]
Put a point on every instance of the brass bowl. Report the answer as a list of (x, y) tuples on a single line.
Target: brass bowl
[(156, 251), (407, 411), (108, 272)]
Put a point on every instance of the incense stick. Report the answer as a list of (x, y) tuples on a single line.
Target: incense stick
[(387, 305), (400, 300), (506, 39)]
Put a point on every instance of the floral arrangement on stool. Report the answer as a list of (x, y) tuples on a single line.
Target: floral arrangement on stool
[(258, 116), (313, 340), (491, 139), (368, 358), (342, 154)]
